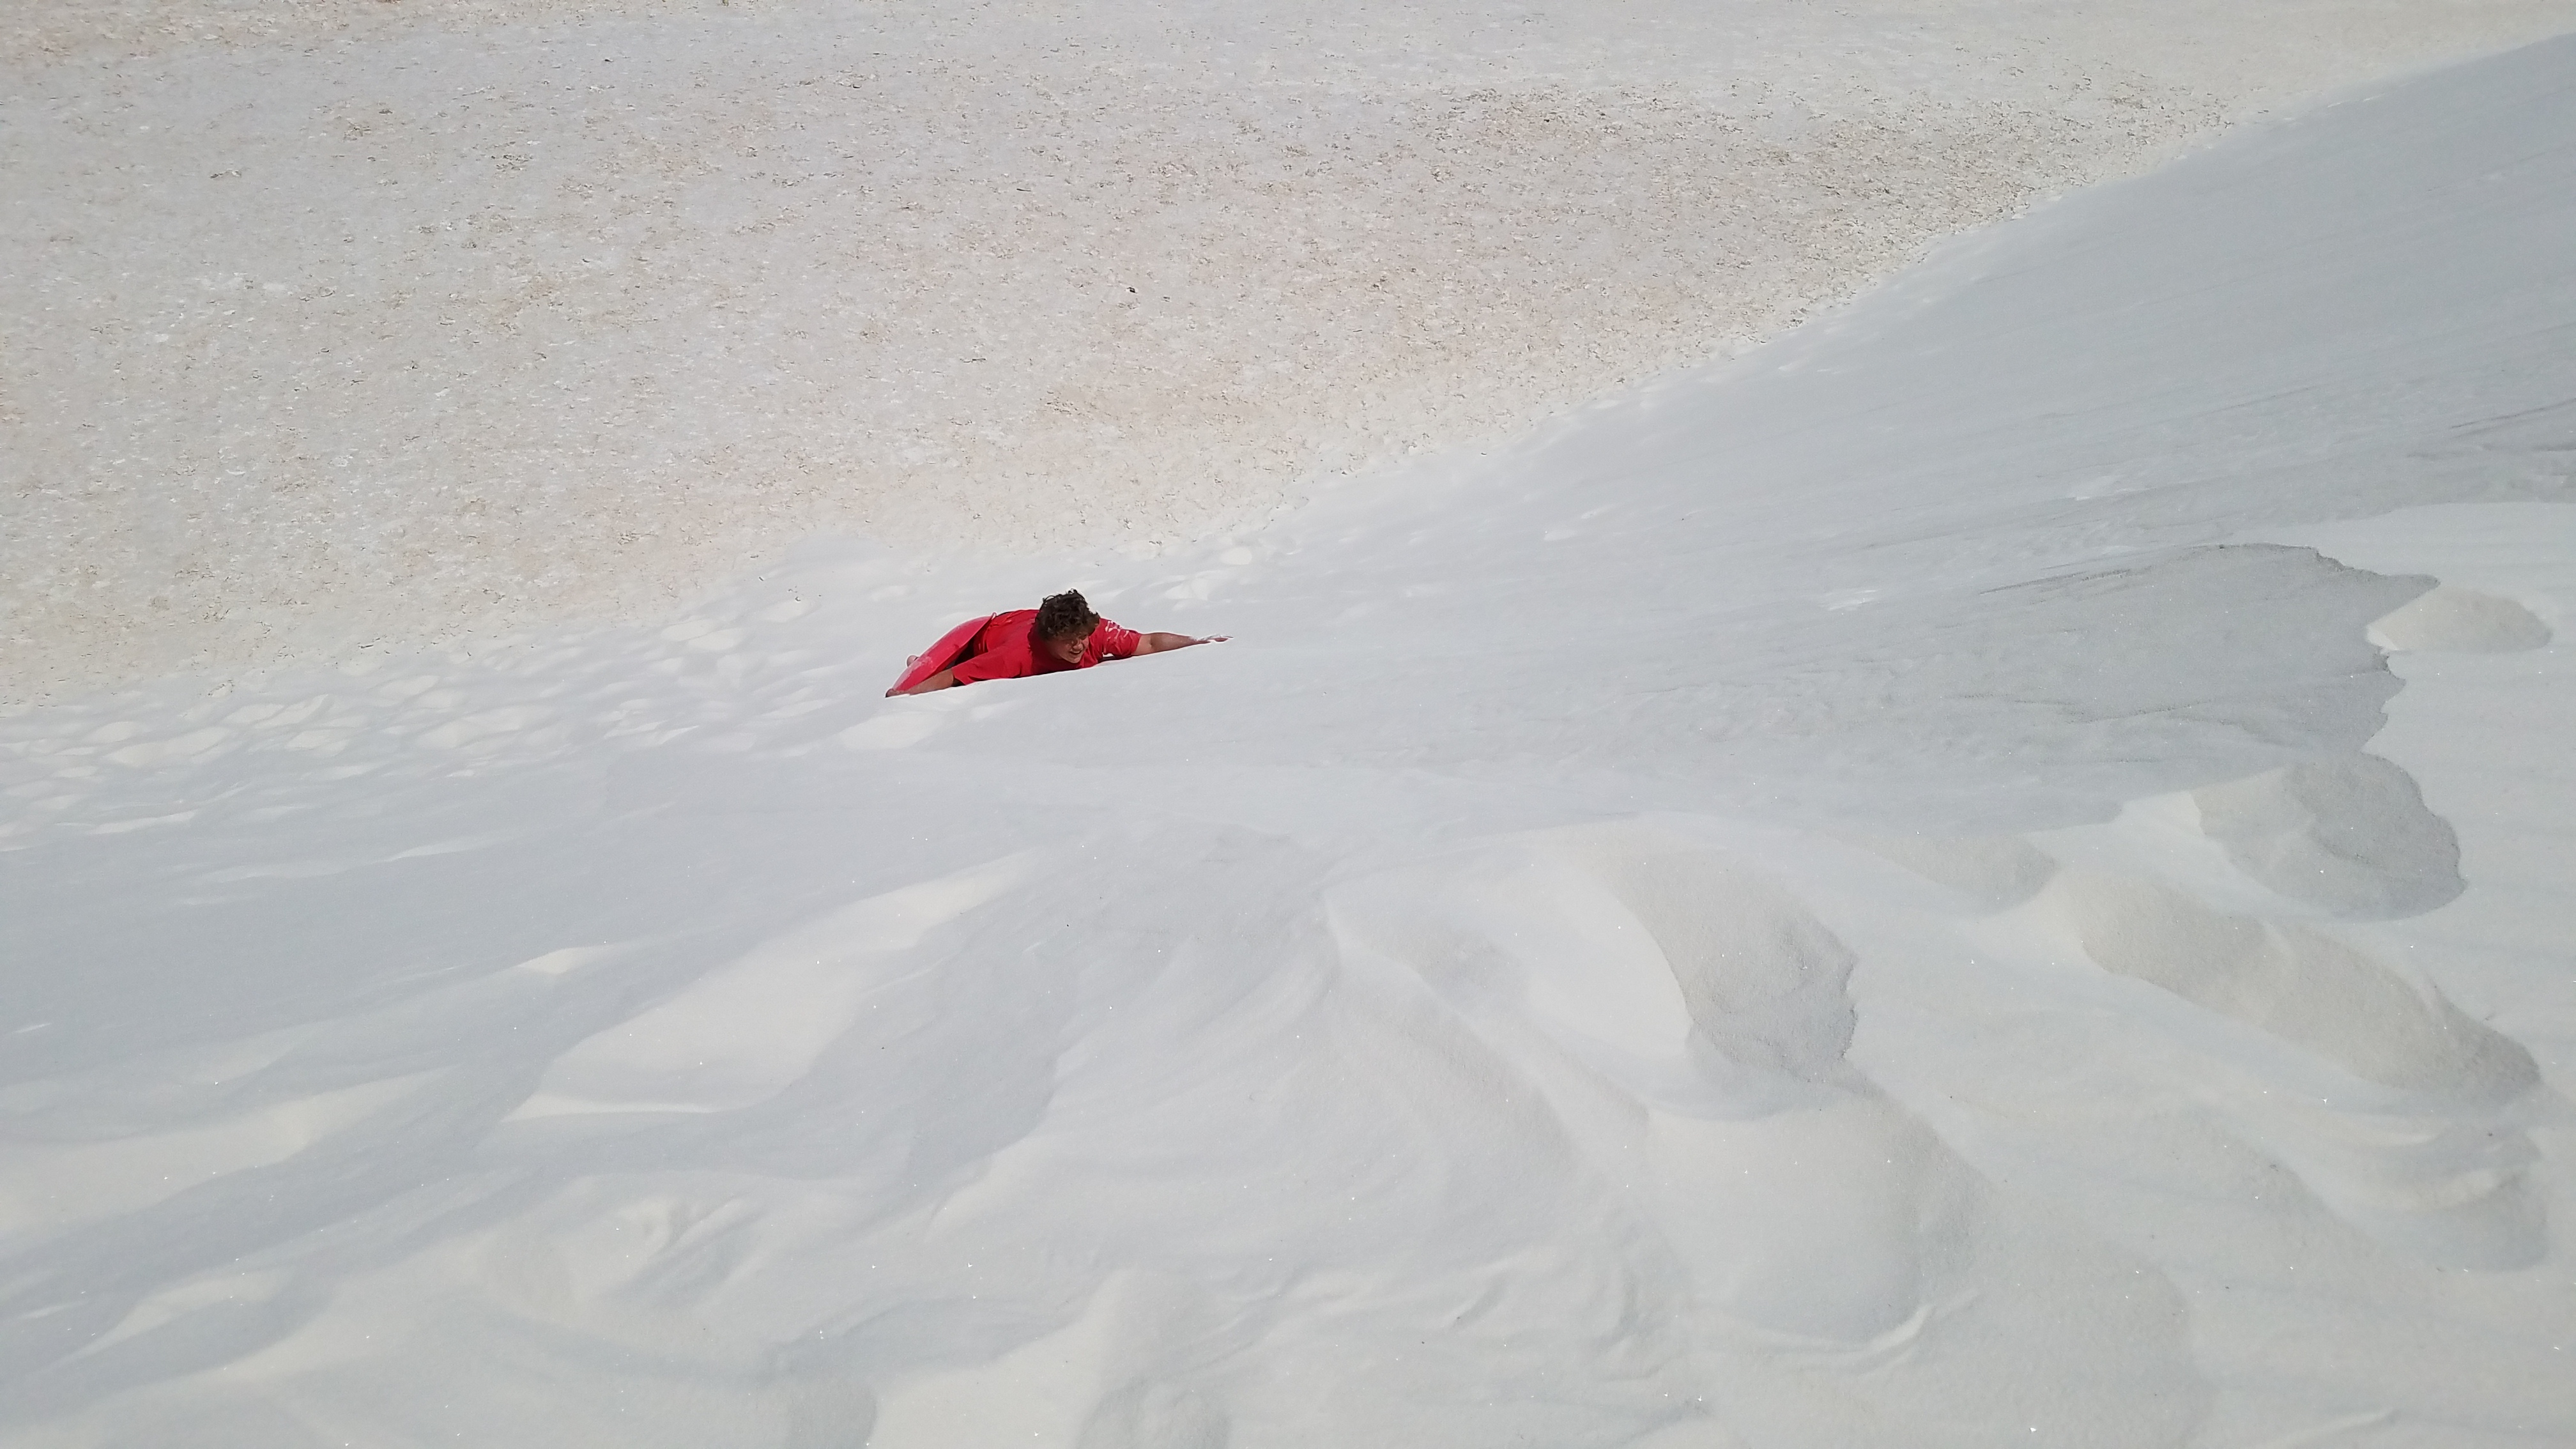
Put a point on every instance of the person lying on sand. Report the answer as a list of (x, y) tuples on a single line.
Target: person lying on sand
[(1060, 633)]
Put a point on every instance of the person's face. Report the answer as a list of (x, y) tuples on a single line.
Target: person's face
[(1068, 648)]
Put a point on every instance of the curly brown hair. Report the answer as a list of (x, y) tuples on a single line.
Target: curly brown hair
[(1066, 616)]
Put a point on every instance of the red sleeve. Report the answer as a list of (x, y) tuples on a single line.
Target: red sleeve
[(1006, 662), (1114, 642)]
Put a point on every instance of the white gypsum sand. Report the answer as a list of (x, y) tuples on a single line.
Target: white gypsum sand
[(331, 325), (1992, 871)]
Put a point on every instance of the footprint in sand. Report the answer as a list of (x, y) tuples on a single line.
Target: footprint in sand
[(147, 753), (2349, 834), (486, 730), (2460, 621)]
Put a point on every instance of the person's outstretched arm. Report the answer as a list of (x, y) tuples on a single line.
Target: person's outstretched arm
[(1161, 643), (941, 680)]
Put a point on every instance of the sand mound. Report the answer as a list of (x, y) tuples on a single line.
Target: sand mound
[(2350, 834), (2442, 1172), (1428, 1020), (1807, 1213), (2461, 621), (1996, 871), (1763, 979), (2298, 984)]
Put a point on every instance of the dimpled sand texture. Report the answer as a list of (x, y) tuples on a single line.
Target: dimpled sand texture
[(338, 325)]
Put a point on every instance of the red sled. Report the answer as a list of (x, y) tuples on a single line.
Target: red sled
[(945, 654)]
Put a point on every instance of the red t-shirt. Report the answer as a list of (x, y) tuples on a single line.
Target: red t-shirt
[(1007, 648)]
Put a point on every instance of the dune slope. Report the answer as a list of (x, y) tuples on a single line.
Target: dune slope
[(1989, 872)]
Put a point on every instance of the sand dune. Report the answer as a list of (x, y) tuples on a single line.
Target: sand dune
[(1878, 892)]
